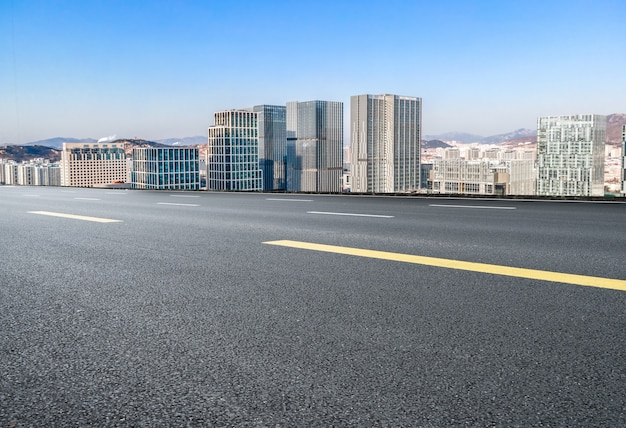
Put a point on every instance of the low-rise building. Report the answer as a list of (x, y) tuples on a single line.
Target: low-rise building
[(37, 172), (496, 174), (166, 168)]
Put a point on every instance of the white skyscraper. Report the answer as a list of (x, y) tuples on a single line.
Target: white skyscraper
[(386, 135), (570, 155)]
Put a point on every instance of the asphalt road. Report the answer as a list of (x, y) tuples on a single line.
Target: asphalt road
[(181, 314)]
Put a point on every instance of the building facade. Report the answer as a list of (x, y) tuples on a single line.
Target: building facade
[(93, 164), (36, 172), (314, 146), (176, 168), (570, 155), (386, 135), (233, 152), (482, 177), (272, 121)]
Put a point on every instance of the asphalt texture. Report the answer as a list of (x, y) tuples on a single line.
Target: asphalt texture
[(180, 315)]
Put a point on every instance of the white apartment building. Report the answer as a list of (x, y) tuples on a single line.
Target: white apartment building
[(499, 174), (386, 135), (38, 172), (570, 155), (93, 164), (10, 173)]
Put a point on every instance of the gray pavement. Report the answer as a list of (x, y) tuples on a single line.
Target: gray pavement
[(180, 315)]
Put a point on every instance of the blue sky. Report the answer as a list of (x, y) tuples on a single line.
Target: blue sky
[(160, 69)]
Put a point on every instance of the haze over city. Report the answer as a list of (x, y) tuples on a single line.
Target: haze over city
[(161, 69)]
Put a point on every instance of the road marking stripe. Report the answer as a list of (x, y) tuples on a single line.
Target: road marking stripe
[(184, 196), (33, 196), (350, 214), (76, 217), (541, 275), (484, 207), (289, 200), (88, 199), (180, 205)]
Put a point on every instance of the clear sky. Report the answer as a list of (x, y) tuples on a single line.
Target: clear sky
[(160, 69)]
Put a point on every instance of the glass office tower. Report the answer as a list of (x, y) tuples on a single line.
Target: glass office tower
[(385, 142), (272, 121), (570, 155), (175, 168), (314, 146), (233, 152)]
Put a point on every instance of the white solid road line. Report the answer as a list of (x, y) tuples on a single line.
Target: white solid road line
[(180, 205), (88, 199), (484, 207), (184, 196), (350, 214)]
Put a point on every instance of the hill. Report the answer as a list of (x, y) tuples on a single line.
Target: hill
[(434, 144), (614, 123), (26, 153), (134, 143)]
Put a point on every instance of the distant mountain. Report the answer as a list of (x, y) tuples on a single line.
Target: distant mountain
[(26, 153), (529, 142), (462, 137), (185, 141), (434, 144), (57, 143), (519, 134)]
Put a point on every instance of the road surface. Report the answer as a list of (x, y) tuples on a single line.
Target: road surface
[(141, 308)]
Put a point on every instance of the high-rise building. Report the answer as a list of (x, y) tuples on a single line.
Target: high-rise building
[(272, 122), (233, 152), (314, 146), (93, 164), (176, 168), (570, 155), (386, 135)]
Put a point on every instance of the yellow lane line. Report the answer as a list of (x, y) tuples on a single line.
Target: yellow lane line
[(76, 217), (541, 275)]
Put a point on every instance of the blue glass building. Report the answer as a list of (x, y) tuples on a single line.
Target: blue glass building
[(166, 168), (272, 122)]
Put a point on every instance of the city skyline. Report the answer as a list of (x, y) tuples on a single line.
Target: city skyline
[(159, 70)]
